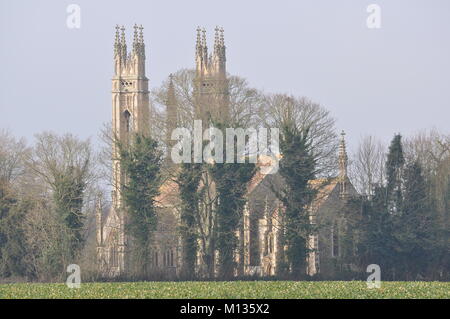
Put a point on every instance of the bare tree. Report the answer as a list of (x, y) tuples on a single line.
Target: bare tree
[(279, 110), (430, 148), (48, 249), (367, 165), (12, 154), (244, 101), (105, 155), (64, 164), (54, 155)]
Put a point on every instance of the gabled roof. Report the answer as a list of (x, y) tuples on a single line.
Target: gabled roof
[(325, 186), (168, 193)]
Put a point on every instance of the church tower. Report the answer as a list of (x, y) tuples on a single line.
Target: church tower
[(210, 83), (130, 96), (130, 114)]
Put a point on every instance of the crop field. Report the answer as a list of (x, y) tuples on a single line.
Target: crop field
[(225, 290)]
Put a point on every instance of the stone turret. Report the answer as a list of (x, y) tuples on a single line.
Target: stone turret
[(343, 162), (210, 84), (171, 111), (129, 63)]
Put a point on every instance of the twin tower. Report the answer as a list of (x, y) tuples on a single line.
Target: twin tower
[(130, 101), (130, 95)]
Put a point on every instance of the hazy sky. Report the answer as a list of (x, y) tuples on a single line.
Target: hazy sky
[(374, 81)]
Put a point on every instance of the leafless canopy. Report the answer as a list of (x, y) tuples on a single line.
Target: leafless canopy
[(279, 110), (367, 165), (244, 101), (12, 153), (54, 155)]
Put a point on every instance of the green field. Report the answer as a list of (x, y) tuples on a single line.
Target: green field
[(236, 289)]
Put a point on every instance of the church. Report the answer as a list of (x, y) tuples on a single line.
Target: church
[(259, 231)]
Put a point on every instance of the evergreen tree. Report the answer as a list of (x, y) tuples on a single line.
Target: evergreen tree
[(141, 162), (5, 206), (394, 169), (231, 184), (416, 226), (188, 182), (69, 187), (379, 241), (297, 168), (351, 234), (12, 249), (231, 180)]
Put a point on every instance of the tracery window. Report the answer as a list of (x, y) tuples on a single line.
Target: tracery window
[(168, 258), (114, 257)]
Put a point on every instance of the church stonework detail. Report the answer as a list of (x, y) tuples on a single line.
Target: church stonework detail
[(260, 234)]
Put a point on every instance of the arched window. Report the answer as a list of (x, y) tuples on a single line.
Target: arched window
[(269, 270), (266, 244), (270, 244), (128, 120), (113, 257), (155, 258)]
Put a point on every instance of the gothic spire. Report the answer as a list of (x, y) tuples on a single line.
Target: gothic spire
[(135, 39), (198, 44), (171, 91), (117, 41), (216, 42), (141, 34), (343, 194), (123, 44), (141, 40), (222, 38), (222, 45), (201, 53), (203, 37), (171, 108), (343, 159), (204, 47), (122, 35)]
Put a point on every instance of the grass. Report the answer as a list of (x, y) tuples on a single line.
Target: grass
[(234, 289)]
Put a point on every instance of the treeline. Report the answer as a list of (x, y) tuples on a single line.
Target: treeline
[(401, 221), (46, 195)]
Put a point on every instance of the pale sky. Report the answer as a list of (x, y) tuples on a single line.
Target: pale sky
[(374, 81)]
